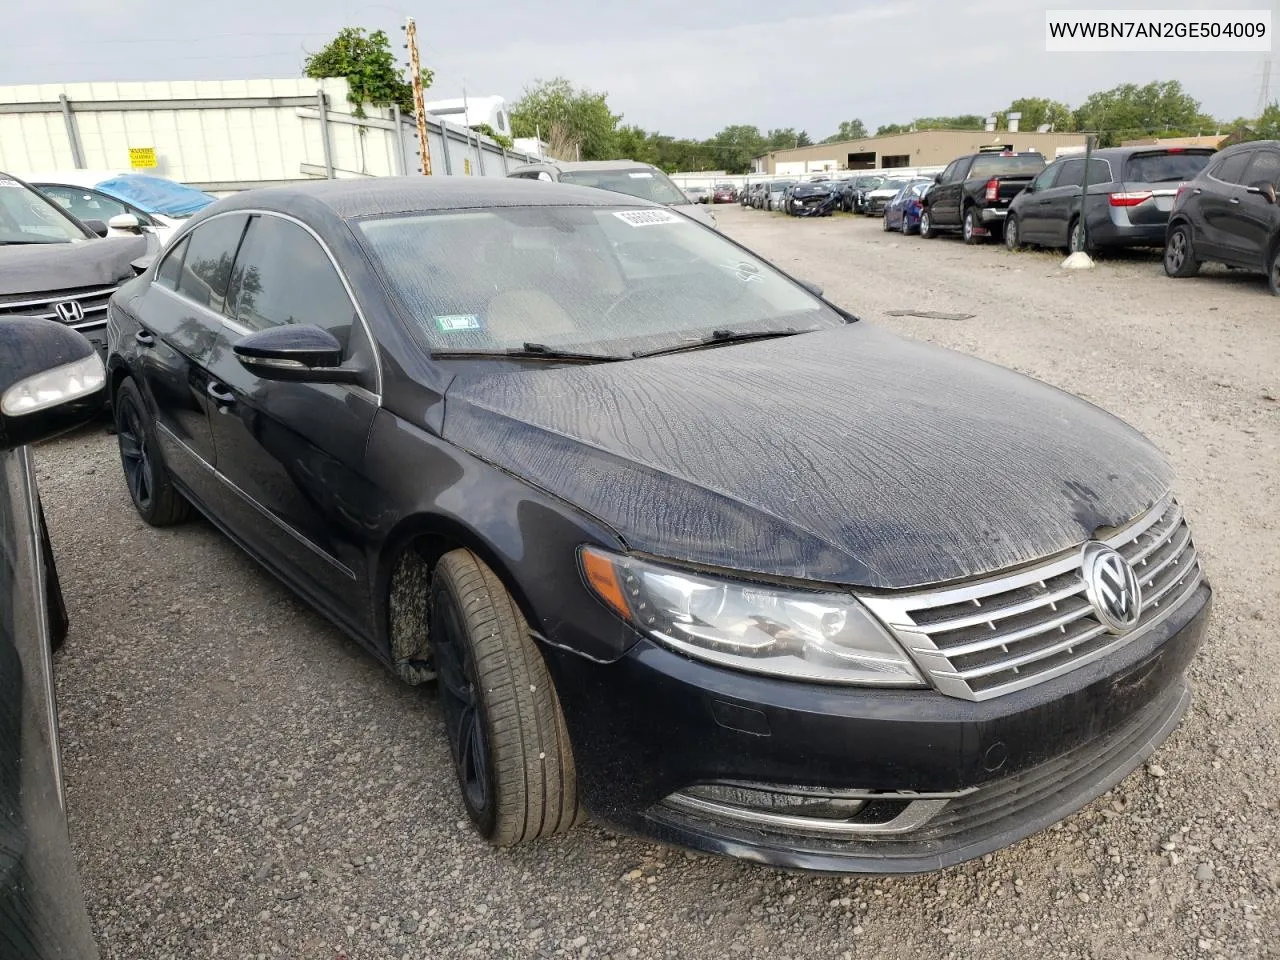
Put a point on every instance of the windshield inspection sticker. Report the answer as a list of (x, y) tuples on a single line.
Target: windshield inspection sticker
[(452, 323), (647, 218)]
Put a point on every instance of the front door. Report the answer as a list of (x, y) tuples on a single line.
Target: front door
[(292, 453), (1220, 196), (945, 197)]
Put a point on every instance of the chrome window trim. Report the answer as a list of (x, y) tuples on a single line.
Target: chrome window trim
[(287, 528), (221, 318), (1227, 183), (333, 262)]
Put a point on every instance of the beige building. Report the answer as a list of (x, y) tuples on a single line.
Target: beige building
[(924, 148)]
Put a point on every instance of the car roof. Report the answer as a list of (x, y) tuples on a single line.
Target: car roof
[(564, 165), (383, 196), (1120, 153)]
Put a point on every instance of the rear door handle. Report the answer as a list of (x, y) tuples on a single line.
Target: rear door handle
[(222, 396), (144, 339), (1045, 203)]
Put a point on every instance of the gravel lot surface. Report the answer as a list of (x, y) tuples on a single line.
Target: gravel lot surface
[(245, 783)]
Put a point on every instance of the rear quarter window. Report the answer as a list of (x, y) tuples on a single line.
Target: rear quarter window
[(1164, 166)]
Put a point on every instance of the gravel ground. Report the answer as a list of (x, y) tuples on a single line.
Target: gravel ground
[(245, 783)]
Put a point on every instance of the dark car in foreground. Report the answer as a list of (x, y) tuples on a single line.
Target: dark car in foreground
[(54, 267), (1130, 194), (684, 544), (812, 198), (1228, 214), (972, 195), (902, 213), (51, 379)]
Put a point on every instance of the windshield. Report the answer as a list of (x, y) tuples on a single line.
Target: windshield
[(27, 217), (995, 165), (779, 185), (1161, 167), (645, 184), (588, 279), (872, 182), (892, 185)]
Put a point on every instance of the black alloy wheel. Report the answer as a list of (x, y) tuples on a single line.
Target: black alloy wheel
[(151, 488)]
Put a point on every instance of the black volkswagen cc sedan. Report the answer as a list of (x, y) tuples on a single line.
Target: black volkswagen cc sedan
[(685, 545)]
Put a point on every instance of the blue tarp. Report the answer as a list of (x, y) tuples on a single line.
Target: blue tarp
[(156, 194)]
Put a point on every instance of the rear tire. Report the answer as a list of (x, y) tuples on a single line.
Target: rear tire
[(970, 226), (151, 487), (906, 225), (1273, 275), (1179, 256), (926, 224), (506, 731), (1012, 234)]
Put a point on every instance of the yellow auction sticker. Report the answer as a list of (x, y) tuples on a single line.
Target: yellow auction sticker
[(142, 158)]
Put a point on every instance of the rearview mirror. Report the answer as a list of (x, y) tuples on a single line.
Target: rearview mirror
[(296, 352), (125, 221), (51, 380), (96, 227), (1265, 189)]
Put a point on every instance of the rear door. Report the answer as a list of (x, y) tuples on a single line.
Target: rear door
[(292, 453), (1254, 222), (1219, 197), (946, 196), (1063, 202), (180, 318), (1034, 205)]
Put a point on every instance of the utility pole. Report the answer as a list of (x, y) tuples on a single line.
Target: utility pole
[(419, 110)]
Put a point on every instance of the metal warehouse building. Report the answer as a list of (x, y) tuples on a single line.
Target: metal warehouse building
[(923, 148)]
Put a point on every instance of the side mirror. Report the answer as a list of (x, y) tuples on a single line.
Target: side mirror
[(937, 178), (51, 380), (96, 226), (1266, 190), (142, 263), (125, 221), (296, 352)]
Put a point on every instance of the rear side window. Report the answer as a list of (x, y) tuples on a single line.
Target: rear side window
[(1265, 167), (284, 276), (206, 268), (1231, 169), (1019, 165), (171, 267), (1071, 174), (1164, 167), (1046, 179)]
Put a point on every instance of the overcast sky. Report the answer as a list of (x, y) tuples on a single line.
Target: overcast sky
[(685, 68)]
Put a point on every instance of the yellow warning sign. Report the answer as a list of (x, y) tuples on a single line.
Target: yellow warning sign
[(142, 158)]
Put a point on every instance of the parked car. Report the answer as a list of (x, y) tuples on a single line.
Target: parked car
[(55, 267), (811, 198), (875, 200), (1131, 191), (760, 196), (51, 379), (803, 591), (858, 192), (902, 213), (129, 203), (698, 194), (778, 194), (724, 193), (642, 180), (973, 193), (1228, 214), (744, 195)]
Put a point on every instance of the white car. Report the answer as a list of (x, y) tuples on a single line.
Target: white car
[(879, 198), (128, 203)]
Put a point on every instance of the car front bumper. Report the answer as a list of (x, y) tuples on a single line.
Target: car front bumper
[(653, 724)]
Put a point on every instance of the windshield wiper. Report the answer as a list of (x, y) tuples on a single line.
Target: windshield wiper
[(530, 351), (719, 337)]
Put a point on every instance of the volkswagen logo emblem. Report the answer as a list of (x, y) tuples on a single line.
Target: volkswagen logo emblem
[(69, 311), (1111, 586)]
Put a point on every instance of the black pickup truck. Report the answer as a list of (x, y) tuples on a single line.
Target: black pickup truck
[(973, 194)]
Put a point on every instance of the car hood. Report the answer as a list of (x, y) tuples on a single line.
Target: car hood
[(44, 267), (697, 211), (845, 456)]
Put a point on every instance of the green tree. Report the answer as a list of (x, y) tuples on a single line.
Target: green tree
[(570, 119), (965, 121), (786, 138), (492, 134), (366, 62), (1037, 111), (1129, 110), (849, 130), (734, 146)]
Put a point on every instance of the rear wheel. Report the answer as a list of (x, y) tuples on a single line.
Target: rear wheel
[(926, 224), (1012, 234), (906, 224), (1179, 256), (510, 746), (1076, 242), (971, 227), (1273, 275), (151, 488)]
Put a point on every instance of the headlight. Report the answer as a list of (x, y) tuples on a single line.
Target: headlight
[(827, 637)]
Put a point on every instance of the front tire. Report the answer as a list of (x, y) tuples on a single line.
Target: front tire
[(884, 225), (151, 487), (508, 737), (926, 224), (1179, 255), (1013, 234)]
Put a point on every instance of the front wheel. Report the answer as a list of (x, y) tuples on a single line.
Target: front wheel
[(1012, 234), (151, 488), (510, 745), (884, 225), (926, 224), (1179, 255)]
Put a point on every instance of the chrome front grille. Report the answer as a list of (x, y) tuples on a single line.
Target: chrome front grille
[(990, 637), (92, 301)]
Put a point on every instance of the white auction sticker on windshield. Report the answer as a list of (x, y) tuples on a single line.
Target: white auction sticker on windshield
[(648, 218), (641, 175), (454, 322)]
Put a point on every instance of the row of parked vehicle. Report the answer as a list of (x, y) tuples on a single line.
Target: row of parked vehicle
[(1200, 205)]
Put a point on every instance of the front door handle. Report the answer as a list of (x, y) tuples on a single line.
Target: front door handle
[(1235, 200), (220, 394), (1044, 203), (144, 339)]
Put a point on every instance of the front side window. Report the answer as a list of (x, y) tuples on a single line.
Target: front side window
[(1047, 177), (170, 270), (645, 184), (85, 204), (27, 217), (1071, 175), (211, 251), (598, 280), (282, 275)]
